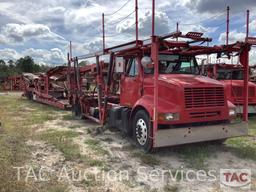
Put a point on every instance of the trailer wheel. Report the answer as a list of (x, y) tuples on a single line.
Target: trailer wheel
[(143, 131)]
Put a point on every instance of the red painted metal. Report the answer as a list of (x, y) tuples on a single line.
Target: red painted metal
[(13, 83), (98, 88), (103, 33), (155, 58), (70, 49), (50, 88), (247, 23), (136, 21), (177, 30), (153, 18), (244, 59), (234, 84), (156, 93), (227, 33)]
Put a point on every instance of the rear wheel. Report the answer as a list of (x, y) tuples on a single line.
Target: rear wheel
[(143, 131)]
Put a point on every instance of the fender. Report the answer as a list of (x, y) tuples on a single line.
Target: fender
[(146, 102)]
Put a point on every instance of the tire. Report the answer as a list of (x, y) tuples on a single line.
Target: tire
[(77, 111), (142, 131), (218, 142), (29, 95)]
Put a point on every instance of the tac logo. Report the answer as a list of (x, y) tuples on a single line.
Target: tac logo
[(235, 178)]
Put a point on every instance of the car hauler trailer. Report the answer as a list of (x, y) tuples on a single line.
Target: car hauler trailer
[(232, 77), (49, 88), (13, 83), (253, 73), (153, 90)]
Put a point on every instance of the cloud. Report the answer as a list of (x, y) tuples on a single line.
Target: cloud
[(234, 36), (53, 56), (17, 33), (39, 26), (145, 25), (7, 54), (220, 5), (253, 26)]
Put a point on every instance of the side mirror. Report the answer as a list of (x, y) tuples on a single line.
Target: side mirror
[(203, 71), (147, 63), (119, 67)]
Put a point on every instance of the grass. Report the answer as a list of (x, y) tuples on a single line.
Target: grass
[(245, 147), (67, 117), (74, 126), (147, 159), (196, 156), (171, 188), (62, 140), (58, 188), (95, 146), (90, 181), (18, 119)]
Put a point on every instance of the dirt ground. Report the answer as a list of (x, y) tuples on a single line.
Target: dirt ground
[(77, 155)]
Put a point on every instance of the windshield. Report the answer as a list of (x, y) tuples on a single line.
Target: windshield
[(227, 74), (173, 64)]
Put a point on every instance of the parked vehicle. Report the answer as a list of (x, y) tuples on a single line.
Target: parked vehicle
[(154, 91), (13, 83), (232, 77), (48, 88), (253, 74)]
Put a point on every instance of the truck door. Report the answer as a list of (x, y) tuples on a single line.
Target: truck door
[(130, 84)]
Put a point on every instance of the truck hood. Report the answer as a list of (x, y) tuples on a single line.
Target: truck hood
[(237, 83), (189, 80)]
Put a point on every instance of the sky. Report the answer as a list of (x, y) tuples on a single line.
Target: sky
[(42, 29)]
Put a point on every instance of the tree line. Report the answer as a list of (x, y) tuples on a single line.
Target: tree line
[(22, 65)]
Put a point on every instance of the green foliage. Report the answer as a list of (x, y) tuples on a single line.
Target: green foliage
[(24, 64)]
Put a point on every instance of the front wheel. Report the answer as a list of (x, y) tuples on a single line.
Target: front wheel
[(143, 130)]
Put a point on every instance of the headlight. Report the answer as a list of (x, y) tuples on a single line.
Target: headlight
[(232, 112), (169, 116)]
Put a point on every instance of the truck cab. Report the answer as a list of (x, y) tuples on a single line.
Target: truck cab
[(232, 77), (188, 103), (154, 92)]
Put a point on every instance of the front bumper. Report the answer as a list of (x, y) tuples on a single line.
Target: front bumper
[(251, 109), (178, 136)]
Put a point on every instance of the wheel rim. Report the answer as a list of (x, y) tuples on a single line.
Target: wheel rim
[(141, 131)]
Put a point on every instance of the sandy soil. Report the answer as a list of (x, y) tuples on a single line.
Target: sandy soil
[(122, 155)]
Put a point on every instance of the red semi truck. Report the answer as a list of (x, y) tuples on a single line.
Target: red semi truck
[(153, 90), (232, 77), (253, 74)]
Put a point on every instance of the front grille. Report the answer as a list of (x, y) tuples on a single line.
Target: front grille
[(204, 97), (205, 114), (239, 91)]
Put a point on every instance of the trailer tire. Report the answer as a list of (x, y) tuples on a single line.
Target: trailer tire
[(218, 142), (77, 111), (29, 95), (142, 131)]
